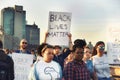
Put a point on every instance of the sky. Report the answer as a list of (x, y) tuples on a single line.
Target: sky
[(90, 18)]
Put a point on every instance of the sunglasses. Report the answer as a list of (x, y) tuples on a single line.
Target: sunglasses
[(24, 42), (101, 47)]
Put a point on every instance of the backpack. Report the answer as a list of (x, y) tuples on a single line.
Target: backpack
[(4, 71)]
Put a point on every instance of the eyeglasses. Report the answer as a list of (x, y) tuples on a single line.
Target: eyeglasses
[(24, 42)]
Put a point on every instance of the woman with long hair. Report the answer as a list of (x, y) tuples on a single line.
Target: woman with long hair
[(100, 62)]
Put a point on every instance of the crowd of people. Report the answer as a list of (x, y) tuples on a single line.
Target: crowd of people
[(51, 62)]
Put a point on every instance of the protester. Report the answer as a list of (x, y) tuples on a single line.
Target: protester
[(68, 59), (39, 57), (46, 68), (58, 56), (39, 49), (100, 62), (23, 47), (89, 63), (76, 69), (6, 65), (7, 51), (34, 55), (65, 49)]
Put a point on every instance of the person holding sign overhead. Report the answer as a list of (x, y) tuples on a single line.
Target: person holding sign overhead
[(23, 47)]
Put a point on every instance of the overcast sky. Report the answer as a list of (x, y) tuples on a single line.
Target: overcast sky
[(89, 17)]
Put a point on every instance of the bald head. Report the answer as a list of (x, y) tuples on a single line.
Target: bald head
[(23, 44)]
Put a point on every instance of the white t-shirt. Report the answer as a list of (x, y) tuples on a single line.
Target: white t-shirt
[(48, 71), (101, 66)]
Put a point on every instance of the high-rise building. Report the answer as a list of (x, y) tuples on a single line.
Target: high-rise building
[(19, 22), (33, 34), (7, 20), (7, 27), (13, 28), (13, 21)]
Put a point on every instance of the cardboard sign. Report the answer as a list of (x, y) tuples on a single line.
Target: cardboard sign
[(58, 28), (22, 65), (113, 45)]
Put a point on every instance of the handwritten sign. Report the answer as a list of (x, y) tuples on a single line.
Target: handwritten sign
[(22, 65), (58, 28), (113, 45)]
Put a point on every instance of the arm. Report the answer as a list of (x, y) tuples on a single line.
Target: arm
[(46, 34), (11, 68), (68, 51), (94, 71), (94, 76), (70, 41)]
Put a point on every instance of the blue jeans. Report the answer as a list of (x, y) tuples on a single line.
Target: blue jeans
[(104, 78)]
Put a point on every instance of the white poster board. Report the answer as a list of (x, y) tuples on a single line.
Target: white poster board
[(113, 45), (58, 28), (22, 65)]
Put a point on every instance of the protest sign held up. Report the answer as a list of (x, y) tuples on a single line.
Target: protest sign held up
[(58, 28), (113, 47), (22, 65)]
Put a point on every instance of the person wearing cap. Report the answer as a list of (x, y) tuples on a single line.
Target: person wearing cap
[(59, 57), (57, 50)]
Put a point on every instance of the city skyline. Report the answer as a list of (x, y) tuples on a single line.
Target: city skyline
[(90, 18), (13, 22)]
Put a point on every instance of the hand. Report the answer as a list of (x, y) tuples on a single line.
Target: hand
[(69, 35), (46, 34)]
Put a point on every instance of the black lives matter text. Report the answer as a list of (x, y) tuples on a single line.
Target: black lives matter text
[(57, 34)]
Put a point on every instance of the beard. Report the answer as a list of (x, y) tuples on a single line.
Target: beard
[(24, 47)]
